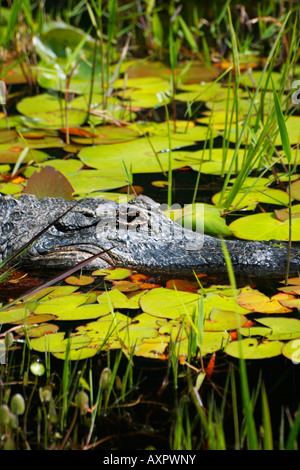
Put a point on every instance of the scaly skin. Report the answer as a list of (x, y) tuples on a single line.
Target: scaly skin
[(138, 235)]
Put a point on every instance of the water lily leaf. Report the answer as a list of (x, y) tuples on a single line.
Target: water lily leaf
[(139, 99), (60, 306), (113, 273), (251, 348), (168, 303), (56, 342), (102, 113), (215, 161), (197, 70), (251, 80), (221, 320), (152, 349), (258, 302), (203, 218), (77, 354), (11, 154), (119, 300), (185, 131), (41, 330), (212, 341), (223, 302), (54, 76), (51, 292), (68, 167), (83, 312), (104, 332), (49, 183), (291, 350), (264, 227), (15, 314), (81, 280), (48, 112), (59, 37), (182, 284), (293, 130), (90, 181), (283, 214), (204, 92), (295, 191), (137, 154), (107, 135), (11, 188), (281, 328), (140, 329), (251, 198)]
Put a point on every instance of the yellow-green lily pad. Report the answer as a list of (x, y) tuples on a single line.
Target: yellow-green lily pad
[(265, 227), (252, 348), (168, 303), (291, 350)]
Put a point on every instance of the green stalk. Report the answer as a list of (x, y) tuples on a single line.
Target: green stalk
[(267, 426)]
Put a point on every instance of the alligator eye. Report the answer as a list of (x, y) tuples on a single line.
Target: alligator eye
[(130, 217)]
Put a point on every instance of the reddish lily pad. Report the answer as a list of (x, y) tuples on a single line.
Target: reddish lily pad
[(49, 183), (259, 302)]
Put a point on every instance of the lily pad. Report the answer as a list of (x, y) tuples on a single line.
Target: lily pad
[(56, 342), (281, 328), (258, 302), (203, 218), (91, 181), (291, 350), (49, 183), (48, 112), (252, 348), (138, 155), (250, 199), (168, 303), (264, 227)]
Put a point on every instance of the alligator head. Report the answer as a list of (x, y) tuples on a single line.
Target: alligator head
[(136, 234)]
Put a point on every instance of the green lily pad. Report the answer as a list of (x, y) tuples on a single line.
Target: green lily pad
[(215, 161), (291, 350), (48, 112), (61, 305), (113, 274), (106, 135), (10, 153), (223, 302), (250, 199), (264, 227), (137, 154), (251, 348), (281, 328), (15, 314), (203, 218), (11, 188), (77, 354), (90, 181), (204, 92), (58, 38), (223, 320), (119, 300), (56, 342), (68, 167), (250, 80), (168, 303)]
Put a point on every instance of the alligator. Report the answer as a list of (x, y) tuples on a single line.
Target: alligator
[(136, 234)]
